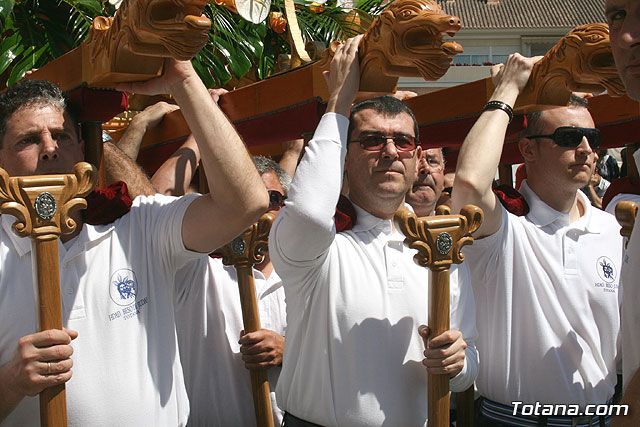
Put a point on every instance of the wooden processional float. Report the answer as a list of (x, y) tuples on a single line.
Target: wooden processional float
[(581, 61), (406, 40), (243, 253), (44, 207)]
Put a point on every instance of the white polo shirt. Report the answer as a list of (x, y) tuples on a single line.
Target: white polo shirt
[(209, 321), (355, 300), (631, 302), (117, 292), (547, 303)]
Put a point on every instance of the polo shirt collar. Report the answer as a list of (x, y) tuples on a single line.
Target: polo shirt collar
[(88, 237), (21, 244), (367, 222), (542, 215)]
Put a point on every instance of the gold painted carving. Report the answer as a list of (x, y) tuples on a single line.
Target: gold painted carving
[(439, 239), (580, 62), (43, 204), (405, 41), (132, 45), (247, 249)]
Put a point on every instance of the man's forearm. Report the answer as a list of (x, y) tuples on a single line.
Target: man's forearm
[(174, 176), (119, 167), (131, 140), (237, 194)]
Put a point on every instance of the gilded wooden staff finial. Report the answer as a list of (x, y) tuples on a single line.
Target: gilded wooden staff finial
[(43, 206), (439, 240), (243, 253), (626, 215)]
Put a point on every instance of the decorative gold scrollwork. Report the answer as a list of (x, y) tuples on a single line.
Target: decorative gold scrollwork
[(248, 248), (439, 239), (43, 204)]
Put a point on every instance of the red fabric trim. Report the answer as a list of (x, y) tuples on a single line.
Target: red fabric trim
[(345, 216), (512, 200), (621, 185), (105, 206), (97, 105)]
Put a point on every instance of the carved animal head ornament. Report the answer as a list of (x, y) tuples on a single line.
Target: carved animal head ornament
[(143, 28), (407, 38), (580, 62), (174, 28)]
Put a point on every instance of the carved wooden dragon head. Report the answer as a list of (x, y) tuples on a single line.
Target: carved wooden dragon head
[(145, 28), (407, 40), (580, 62)]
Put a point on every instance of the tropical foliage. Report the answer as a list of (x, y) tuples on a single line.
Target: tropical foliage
[(34, 32)]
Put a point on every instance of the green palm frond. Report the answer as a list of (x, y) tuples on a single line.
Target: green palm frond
[(40, 31)]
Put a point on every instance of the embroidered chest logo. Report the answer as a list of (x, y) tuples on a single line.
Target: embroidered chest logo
[(123, 287), (608, 274), (606, 269)]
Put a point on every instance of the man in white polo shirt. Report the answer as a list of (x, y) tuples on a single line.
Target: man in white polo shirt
[(623, 17), (116, 279), (546, 284), (355, 299), (216, 357)]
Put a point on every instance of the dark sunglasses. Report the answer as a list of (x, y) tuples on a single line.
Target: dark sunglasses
[(571, 136), (276, 200), (378, 142)]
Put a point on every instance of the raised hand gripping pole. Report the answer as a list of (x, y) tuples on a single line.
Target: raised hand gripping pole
[(243, 253), (43, 206), (438, 240)]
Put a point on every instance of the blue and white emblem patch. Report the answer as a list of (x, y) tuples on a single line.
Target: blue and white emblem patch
[(606, 269), (123, 287)]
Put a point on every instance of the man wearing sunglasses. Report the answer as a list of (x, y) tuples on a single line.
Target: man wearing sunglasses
[(623, 17), (545, 283), (356, 299), (214, 350)]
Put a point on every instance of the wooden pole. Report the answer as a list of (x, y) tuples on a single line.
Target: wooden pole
[(53, 405), (505, 175), (44, 206), (438, 324), (465, 407), (439, 240), (243, 253)]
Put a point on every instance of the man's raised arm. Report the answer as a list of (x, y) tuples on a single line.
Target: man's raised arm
[(315, 188), (481, 149), (238, 196)]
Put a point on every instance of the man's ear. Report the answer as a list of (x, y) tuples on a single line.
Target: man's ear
[(418, 157), (528, 149)]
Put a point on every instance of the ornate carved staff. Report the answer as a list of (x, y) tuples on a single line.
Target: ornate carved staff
[(626, 215), (243, 253), (438, 240), (43, 206)]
